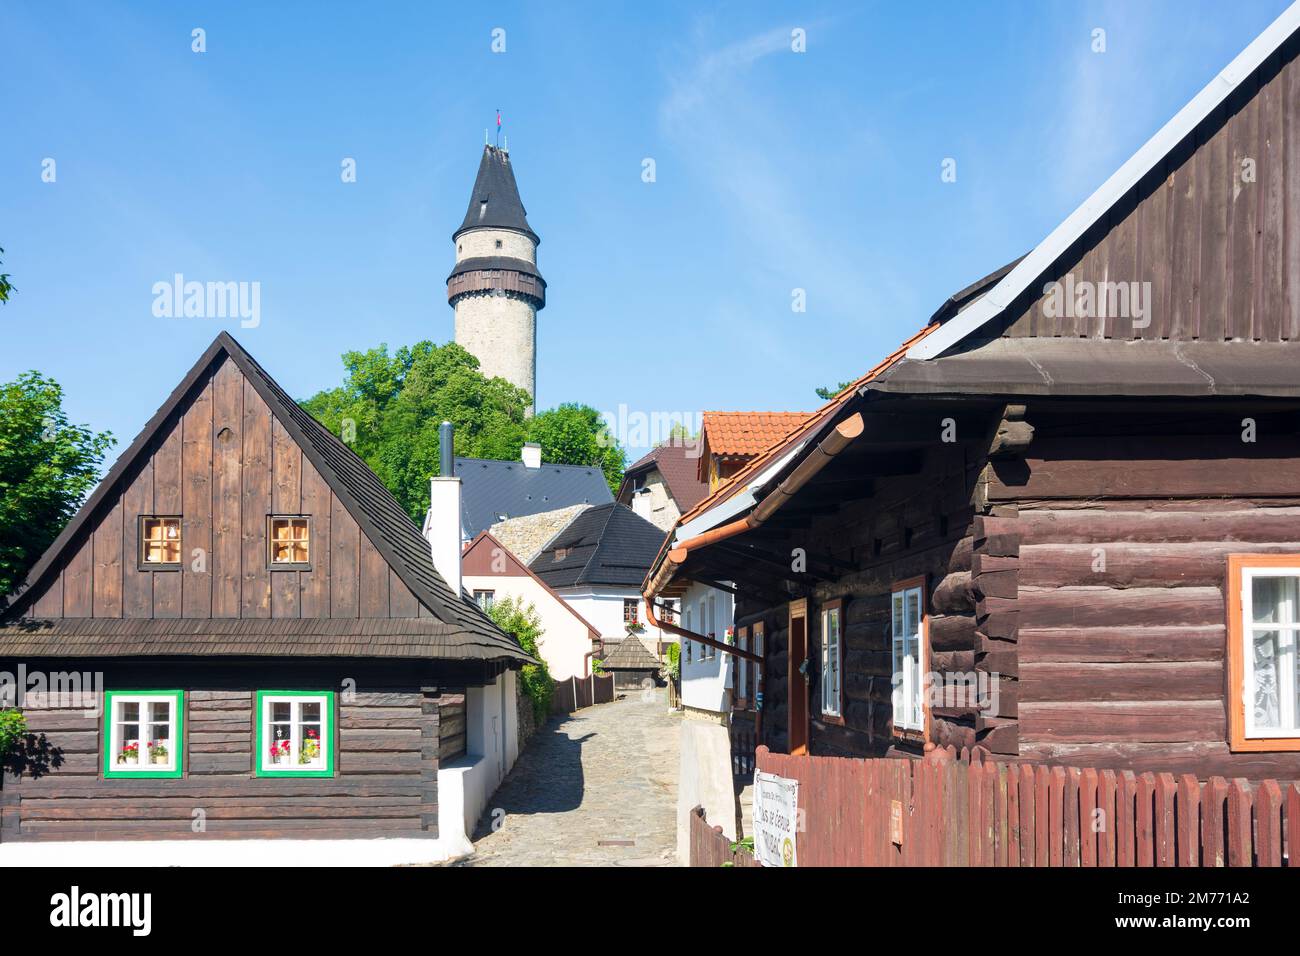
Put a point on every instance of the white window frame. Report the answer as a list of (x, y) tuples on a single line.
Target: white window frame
[(175, 727), (906, 697), (686, 626), (325, 765), (832, 682), (1288, 640)]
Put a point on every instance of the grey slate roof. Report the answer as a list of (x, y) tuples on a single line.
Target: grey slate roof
[(606, 545), (358, 488), (493, 489), (495, 203)]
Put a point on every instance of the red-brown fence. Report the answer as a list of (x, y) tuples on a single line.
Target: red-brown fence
[(743, 744), (711, 847), (574, 693), (964, 809)]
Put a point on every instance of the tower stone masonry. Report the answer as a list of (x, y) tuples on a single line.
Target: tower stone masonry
[(496, 289)]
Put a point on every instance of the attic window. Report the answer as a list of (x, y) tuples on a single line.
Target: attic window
[(160, 541), (482, 208), (290, 540), (561, 554)]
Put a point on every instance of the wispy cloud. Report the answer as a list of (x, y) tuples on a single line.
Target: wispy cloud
[(726, 116)]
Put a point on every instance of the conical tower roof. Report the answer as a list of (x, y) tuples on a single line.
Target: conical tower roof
[(495, 203)]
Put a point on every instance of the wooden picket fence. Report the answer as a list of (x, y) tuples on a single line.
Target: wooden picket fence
[(711, 847), (575, 693), (965, 809)]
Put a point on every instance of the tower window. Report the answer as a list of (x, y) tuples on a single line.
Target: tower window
[(498, 243)]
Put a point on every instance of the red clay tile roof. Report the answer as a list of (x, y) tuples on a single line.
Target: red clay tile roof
[(678, 463), (747, 433)]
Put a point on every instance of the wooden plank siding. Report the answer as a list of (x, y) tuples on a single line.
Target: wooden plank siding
[(1215, 230), (224, 465)]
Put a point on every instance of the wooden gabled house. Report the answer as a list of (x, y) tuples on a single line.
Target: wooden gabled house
[(240, 620), (1063, 521)]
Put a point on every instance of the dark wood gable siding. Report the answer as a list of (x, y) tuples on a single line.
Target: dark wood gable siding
[(1222, 253), (224, 463)]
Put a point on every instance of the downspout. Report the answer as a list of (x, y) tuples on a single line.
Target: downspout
[(698, 638), (760, 668)]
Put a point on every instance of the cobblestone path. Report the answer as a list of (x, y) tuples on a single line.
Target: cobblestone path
[(596, 788)]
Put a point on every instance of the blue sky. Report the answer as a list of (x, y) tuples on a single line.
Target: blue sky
[(775, 170)]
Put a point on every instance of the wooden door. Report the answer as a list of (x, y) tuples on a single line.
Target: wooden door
[(799, 667)]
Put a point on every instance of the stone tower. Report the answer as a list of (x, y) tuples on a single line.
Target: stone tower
[(495, 288)]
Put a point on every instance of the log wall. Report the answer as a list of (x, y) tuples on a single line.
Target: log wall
[(387, 738), (1122, 569), (913, 526)]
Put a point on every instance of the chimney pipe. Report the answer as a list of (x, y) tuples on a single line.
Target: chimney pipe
[(531, 455), (443, 526), (446, 451)]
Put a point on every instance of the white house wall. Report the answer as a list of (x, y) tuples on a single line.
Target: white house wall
[(707, 682), (565, 642), (603, 609)]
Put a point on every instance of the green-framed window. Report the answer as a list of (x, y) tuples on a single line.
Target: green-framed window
[(144, 733), (295, 733)]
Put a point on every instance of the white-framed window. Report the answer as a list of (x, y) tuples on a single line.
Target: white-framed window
[(1264, 652), (143, 733), (832, 659), (295, 733), (630, 610), (907, 603), (485, 599), (686, 625), (714, 631), (742, 668)]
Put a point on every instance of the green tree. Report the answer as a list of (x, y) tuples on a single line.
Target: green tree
[(826, 394), (526, 625), (391, 404), (6, 288), (13, 725), (574, 434), (46, 468)]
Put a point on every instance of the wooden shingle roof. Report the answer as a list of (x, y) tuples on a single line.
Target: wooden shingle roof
[(630, 654)]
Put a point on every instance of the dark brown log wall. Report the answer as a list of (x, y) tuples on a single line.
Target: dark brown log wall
[(917, 525), (224, 464), (385, 781), (1122, 572)]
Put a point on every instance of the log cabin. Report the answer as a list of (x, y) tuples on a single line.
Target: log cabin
[(1062, 522), (242, 635)]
